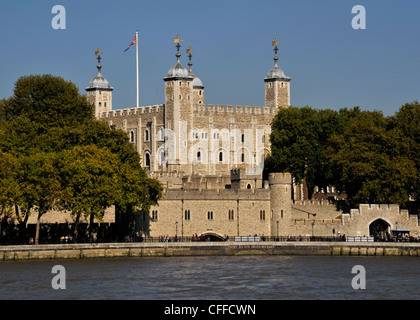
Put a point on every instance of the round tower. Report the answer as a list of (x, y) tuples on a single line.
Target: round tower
[(277, 85), (280, 202), (198, 87), (99, 91)]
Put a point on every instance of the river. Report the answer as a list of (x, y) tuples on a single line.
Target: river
[(220, 278)]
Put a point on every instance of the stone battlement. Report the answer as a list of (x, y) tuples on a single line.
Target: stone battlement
[(219, 108), (132, 111)]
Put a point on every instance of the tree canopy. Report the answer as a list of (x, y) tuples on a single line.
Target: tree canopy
[(54, 155), (371, 158)]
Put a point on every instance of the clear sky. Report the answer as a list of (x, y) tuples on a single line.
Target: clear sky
[(331, 64)]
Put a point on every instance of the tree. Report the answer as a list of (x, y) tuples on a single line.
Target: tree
[(298, 140), (48, 100), (370, 161), (88, 175), (406, 121), (8, 186), (65, 158), (39, 186)]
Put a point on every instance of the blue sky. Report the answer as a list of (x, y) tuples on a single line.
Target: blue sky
[(331, 64)]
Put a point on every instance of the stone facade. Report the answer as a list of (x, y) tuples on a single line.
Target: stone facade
[(209, 160)]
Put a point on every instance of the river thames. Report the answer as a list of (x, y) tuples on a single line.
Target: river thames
[(203, 278)]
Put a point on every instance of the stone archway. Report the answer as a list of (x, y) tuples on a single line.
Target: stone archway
[(379, 228), (213, 236)]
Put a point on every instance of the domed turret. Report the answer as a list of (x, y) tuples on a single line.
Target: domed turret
[(177, 71), (277, 85), (99, 91), (99, 82)]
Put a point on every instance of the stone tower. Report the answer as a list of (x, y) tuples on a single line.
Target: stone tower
[(99, 91), (178, 108), (280, 202), (277, 85), (198, 87)]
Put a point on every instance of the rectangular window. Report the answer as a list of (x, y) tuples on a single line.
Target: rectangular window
[(154, 215), (231, 214), (210, 215), (187, 215)]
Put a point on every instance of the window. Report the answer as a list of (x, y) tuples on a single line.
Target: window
[(104, 104), (231, 214), (132, 137), (154, 215), (282, 213), (147, 160), (146, 135), (210, 215), (187, 215), (262, 214), (248, 186), (161, 134), (242, 138), (243, 157), (220, 156), (199, 156), (199, 93)]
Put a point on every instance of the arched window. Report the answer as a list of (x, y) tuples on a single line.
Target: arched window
[(248, 186), (147, 160), (220, 156), (198, 155), (146, 135)]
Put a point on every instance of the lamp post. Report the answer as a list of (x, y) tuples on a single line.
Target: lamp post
[(313, 223)]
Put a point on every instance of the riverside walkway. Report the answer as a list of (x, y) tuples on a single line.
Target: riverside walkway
[(229, 248)]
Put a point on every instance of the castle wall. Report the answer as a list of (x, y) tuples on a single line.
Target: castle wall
[(250, 212)]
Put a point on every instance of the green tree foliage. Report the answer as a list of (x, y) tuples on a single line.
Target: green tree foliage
[(371, 162), (49, 101), (406, 121), (39, 185), (60, 157), (373, 159), (298, 141)]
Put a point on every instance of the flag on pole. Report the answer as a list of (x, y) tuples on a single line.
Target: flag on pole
[(132, 42)]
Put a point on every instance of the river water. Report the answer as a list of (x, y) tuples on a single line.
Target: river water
[(220, 278)]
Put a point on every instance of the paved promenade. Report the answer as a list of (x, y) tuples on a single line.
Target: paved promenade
[(230, 248)]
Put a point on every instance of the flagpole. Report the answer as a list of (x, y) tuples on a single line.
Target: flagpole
[(137, 65)]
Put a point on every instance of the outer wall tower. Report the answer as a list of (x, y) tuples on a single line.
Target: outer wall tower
[(99, 91), (277, 85), (280, 202)]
